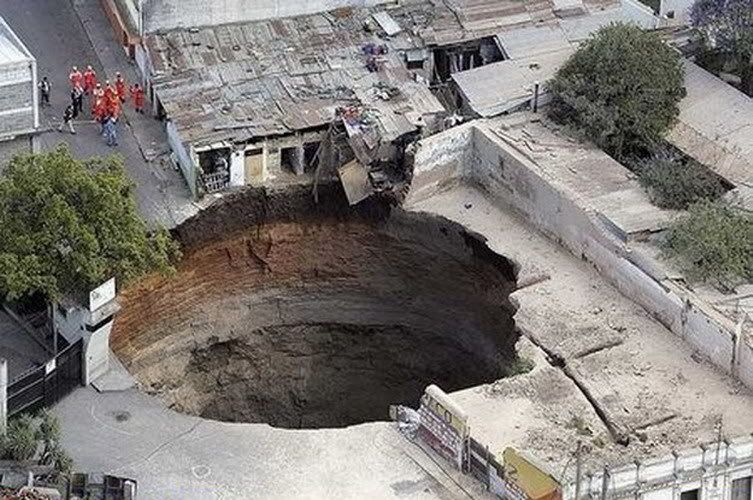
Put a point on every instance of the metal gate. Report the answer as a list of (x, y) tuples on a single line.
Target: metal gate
[(47, 384)]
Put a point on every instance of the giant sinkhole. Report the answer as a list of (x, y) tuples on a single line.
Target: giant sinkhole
[(308, 315)]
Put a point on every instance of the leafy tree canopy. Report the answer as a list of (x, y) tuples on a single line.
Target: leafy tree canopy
[(728, 26), (620, 89), (68, 225)]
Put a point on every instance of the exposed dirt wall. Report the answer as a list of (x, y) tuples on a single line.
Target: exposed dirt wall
[(309, 315)]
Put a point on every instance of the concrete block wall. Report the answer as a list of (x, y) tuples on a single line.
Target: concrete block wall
[(513, 180), (442, 160), (711, 468), (744, 363)]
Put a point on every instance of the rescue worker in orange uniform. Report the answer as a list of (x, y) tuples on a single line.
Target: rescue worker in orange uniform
[(90, 80), (112, 105), (98, 103), (120, 87), (137, 94), (76, 78), (109, 91)]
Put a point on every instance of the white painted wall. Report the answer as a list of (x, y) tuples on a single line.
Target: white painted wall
[(237, 170), (96, 353), (712, 469), (681, 9), (72, 321), (184, 159)]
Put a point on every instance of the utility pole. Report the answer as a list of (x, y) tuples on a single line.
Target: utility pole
[(605, 483), (578, 467)]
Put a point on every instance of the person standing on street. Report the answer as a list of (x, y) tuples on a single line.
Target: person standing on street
[(110, 132), (120, 87), (77, 100), (90, 80), (44, 90), (137, 94), (67, 120), (76, 78)]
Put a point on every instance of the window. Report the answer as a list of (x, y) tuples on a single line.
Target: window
[(690, 495), (741, 489)]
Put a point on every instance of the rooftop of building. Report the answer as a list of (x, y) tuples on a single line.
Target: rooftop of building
[(715, 125), (235, 82), (606, 372), (593, 178), (12, 50), (243, 81), (534, 54)]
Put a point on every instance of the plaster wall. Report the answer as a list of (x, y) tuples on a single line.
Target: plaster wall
[(712, 469), (472, 154), (237, 175), (184, 160)]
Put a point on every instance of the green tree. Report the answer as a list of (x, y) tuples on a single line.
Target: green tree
[(68, 225), (712, 243), (620, 89)]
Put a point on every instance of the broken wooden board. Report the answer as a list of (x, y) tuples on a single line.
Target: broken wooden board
[(355, 180)]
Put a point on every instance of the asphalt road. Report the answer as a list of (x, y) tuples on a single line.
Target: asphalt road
[(53, 32)]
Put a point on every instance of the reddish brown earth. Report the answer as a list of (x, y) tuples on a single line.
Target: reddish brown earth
[(316, 316)]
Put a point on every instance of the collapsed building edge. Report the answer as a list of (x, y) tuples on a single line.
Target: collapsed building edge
[(473, 153)]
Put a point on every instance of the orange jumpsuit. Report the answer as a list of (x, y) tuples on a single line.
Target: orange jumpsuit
[(137, 93), (120, 89), (112, 105), (90, 80)]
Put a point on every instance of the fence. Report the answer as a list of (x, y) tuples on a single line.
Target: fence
[(47, 384)]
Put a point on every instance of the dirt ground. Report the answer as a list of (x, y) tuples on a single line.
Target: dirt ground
[(308, 318)]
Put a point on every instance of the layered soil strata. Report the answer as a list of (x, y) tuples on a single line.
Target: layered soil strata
[(309, 315)]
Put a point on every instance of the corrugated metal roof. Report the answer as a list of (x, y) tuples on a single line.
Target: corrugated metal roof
[(580, 28), (236, 82), (715, 125), (387, 23), (500, 87), (530, 41)]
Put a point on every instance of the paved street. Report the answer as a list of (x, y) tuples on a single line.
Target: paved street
[(54, 33), (175, 456)]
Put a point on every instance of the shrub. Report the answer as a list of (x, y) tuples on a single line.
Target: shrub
[(712, 243), (675, 183), (20, 442), (620, 89)]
